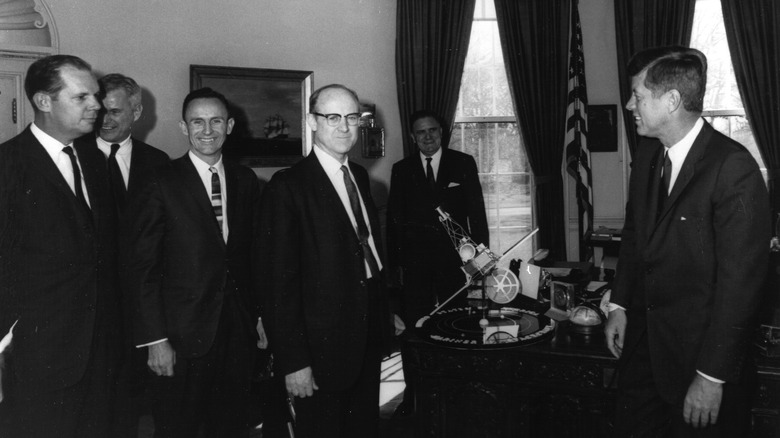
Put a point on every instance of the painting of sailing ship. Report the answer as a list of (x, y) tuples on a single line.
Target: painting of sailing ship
[(269, 107)]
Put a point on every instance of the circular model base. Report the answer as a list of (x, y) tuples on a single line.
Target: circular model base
[(507, 327)]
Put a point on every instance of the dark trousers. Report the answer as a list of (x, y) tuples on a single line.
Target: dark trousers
[(642, 412), (353, 412), (82, 410), (131, 399), (211, 391)]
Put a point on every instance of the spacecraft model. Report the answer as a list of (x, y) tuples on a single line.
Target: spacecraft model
[(499, 284)]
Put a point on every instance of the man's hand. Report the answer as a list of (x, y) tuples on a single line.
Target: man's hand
[(702, 402), (162, 358), (262, 343), (615, 331), (301, 383)]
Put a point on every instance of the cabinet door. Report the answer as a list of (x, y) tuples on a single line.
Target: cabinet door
[(15, 111)]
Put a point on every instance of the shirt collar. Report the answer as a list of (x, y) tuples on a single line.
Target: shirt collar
[(678, 151), (124, 145), (203, 167), (328, 162), (435, 158), (52, 145)]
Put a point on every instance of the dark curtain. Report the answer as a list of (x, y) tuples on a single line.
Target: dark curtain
[(641, 24), (753, 32), (431, 43), (535, 42)]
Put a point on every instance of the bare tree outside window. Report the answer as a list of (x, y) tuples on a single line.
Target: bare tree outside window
[(722, 103), (486, 128)]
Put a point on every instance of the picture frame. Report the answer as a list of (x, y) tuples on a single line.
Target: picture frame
[(372, 142), (269, 107), (602, 128)]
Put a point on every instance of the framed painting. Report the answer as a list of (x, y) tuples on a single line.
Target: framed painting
[(269, 107)]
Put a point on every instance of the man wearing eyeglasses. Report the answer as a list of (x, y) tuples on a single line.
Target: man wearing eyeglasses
[(321, 269)]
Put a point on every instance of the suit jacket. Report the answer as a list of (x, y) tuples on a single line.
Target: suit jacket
[(143, 159), (178, 265), (415, 235), (57, 263), (692, 278), (313, 270)]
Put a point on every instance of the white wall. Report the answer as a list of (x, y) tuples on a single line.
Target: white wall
[(346, 41), (155, 41)]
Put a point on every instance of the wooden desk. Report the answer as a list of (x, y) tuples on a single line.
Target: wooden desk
[(557, 387)]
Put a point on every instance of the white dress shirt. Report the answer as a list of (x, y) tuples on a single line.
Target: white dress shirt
[(61, 159), (435, 162), (123, 155), (205, 175), (333, 170)]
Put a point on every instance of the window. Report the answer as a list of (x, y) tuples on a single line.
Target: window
[(722, 102), (486, 128)]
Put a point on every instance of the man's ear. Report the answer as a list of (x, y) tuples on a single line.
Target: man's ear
[(414, 139), (674, 100), (42, 101), (137, 112), (231, 121), (311, 120), (183, 127)]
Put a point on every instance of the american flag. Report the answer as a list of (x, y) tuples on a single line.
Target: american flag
[(577, 153)]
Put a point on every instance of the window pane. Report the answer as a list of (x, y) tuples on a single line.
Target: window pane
[(709, 36), (484, 87), (495, 144)]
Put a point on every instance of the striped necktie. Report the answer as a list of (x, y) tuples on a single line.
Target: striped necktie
[(216, 196)]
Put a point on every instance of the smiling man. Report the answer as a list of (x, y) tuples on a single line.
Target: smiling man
[(129, 162), (57, 263), (692, 261), (190, 232), (129, 159), (320, 262)]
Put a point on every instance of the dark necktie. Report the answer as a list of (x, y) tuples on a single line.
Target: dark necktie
[(216, 196), (429, 174), (76, 177), (115, 176), (362, 229), (667, 172)]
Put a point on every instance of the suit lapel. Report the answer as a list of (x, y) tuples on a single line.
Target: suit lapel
[(326, 192), (192, 184), (93, 168), (43, 166), (688, 169), (230, 192)]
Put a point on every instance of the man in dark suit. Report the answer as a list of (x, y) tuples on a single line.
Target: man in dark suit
[(692, 262), (129, 163), (57, 263), (122, 107), (419, 249), (190, 233), (321, 265)]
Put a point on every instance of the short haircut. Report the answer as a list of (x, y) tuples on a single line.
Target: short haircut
[(424, 114), (203, 93), (43, 76), (315, 97), (673, 68), (116, 81)]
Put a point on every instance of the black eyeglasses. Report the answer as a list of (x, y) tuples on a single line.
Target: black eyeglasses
[(335, 119)]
